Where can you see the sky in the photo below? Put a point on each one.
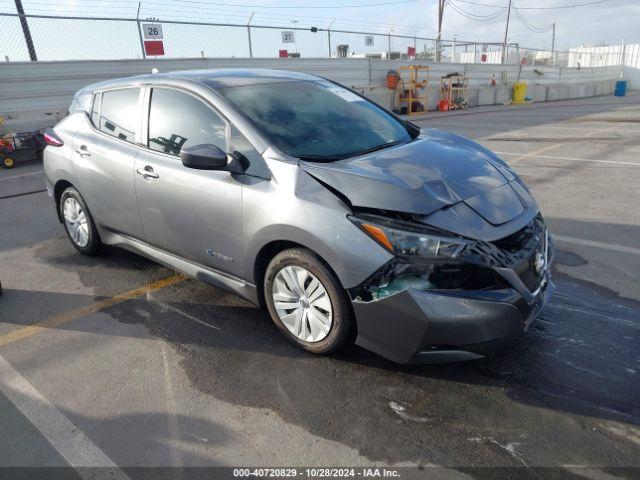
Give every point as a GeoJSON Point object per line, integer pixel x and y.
{"type": "Point", "coordinates": [608, 22]}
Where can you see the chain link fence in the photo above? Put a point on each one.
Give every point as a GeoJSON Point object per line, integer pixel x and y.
{"type": "Point", "coordinates": [105, 38]}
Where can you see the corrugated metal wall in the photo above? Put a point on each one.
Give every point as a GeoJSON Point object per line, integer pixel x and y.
{"type": "Point", "coordinates": [623, 58]}
{"type": "Point", "coordinates": [631, 70]}
{"type": "Point", "coordinates": [30, 86]}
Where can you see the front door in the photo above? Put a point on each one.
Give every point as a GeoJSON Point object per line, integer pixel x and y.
{"type": "Point", "coordinates": [104, 162]}
{"type": "Point", "coordinates": [195, 214]}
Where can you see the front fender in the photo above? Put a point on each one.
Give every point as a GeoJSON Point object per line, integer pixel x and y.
{"type": "Point", "coordinates": [294, 207]}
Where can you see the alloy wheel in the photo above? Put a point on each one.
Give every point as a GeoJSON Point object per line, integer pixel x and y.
{"type": "Point", "coordinates": [76, 222]}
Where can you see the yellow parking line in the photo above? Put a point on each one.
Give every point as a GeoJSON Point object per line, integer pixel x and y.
{"type": "Point", "coordinates": [53, 322]}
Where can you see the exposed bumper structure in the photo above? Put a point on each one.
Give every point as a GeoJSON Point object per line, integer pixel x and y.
{"type": "Point", "coordinates": [429, 327]}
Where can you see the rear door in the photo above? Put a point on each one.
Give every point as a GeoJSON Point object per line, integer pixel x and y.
{"type": "Point", "coordinates": [105, 149]}
{"type": "Point", "coordinates": [195, 214]}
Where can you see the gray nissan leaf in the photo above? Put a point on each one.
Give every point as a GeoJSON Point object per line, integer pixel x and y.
{"type": "Point", "coordinates": [344, 221]}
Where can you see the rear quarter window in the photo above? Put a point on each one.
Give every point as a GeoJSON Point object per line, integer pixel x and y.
{"type": "Point", "coordinates": [120, 113]}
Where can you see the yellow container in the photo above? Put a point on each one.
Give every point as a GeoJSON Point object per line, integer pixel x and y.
{"type": "Point", "coordinates": [519, 92]}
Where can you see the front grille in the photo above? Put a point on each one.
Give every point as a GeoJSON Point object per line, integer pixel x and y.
{"type": "Point", "coordinates": [516, 251]}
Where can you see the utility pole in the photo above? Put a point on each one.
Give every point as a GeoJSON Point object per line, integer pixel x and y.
{"type": "Point", "coordinates": [553, 45]}
{"type": "Point", "coordinates": [249, 35]}
{"type": "Point", "coordinates": [26, 31]}
{"type": "Point", "coordinates": [440, 12]}
{"type": "Point", "coordinates": [506, 33]}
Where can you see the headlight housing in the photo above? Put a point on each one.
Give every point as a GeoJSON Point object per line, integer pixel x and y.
{"type": "Point", "coordinates": [424, 259]}
{"type": "Point", "coordinates": [409, 241]}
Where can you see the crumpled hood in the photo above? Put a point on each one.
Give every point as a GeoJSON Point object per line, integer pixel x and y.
{"type": "Point", "coordinates": [435, 170]}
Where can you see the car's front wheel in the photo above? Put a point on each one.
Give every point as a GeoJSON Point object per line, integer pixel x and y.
{"type": "Point", "coordinates": [307, 302]}
{"type": "Point", "coordinates": [78, 222]}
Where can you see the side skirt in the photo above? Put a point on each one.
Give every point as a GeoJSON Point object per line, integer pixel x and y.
{"type": "Point", "coordinates": [216, 278]}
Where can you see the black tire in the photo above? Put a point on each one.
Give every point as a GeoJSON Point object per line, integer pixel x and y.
{"type": "Point", "coordinates": [8, 162]}
{"type": "Point", "coordinates": [94, 244]}
{"type": "Point", "coordinates": [342, 313]}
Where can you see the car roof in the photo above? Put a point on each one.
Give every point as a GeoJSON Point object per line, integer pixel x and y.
{"type": "Point", "coordinates": [213, 78]}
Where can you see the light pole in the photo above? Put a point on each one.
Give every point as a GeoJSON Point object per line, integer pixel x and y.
{"type": "Point", "coordinates": [249, 35]}
{"type": "Point", "coordinates": [329, 35]}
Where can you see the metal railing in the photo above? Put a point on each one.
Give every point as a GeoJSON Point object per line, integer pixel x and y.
{"type": "Point", "coordinates": [56, 37]}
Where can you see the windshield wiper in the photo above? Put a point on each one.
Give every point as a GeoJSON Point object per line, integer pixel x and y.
{"type": "Point", "coordinates": [333, 158]}
{"type": "Point", "coordinates": [320, 158]}
{"type": "Point", "coordinates": [375, 149]}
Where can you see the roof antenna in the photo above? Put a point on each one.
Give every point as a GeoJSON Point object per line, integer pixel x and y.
{"type": "Point", "coordinates": [155, 71]}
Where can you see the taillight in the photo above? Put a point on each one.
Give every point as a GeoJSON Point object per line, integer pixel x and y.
{"type": "Point", "coordinates": [51, 138]}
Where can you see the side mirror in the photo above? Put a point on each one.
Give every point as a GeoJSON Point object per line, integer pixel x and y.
{"type": "Point", "coordinates": [203, 157]}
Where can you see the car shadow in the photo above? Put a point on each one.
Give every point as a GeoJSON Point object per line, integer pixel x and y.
{"type": "Point", "coordinates": [578, 360]}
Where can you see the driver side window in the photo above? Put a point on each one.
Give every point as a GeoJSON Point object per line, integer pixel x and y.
{"type": "Point", "coordinates": [178, 120]}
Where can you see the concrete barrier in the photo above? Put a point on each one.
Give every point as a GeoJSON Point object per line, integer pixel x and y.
{"type": "Point", "coordinates": [47, 87]}
{"type": "Point", "coordinates": [473, 96]}
{"type": "Point", "coordinates": [537, 93]}
{"type": "Point", "coordinates": [486, 96]}
{"type": "Point", "coordinates": [381, 96]}
{"type": "Point", "coordinates": [587, 90]}
{"type": "Point", "coordinates": [574, 90]}
{"type": "Point", "coordinates": [557, 92]}
{"type": "Point", "coordinates": [503, 94]}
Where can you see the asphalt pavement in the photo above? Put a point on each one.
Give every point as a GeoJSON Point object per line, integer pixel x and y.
{"type": "Point", "coordinates": [115, 362]}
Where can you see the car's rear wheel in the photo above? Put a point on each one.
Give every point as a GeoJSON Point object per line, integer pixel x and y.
{"type": "Point", "coordinates": [78, 222]}
{"type": "Point", "coordinates": [307, 302]}
{"type": "Point", "coordinates": [8, 162]}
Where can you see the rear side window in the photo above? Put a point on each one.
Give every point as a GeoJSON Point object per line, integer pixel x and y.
{"type": "Point", "coordinates": [177, 120]}
{"type": "Point", "coordinates": [119, 113]}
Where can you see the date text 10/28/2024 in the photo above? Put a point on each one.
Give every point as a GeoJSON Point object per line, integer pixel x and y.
{"type": "Point", "coordinates": [364, 472]}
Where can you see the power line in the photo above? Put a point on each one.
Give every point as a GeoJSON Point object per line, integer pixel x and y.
{"type": "Point", "coordinates": [490, 16]}
{"type": "Point", "coordinates": [193, 11]}
{"type": "Point", "coordinates": [595, 2]}
{"type": "Point", "coordinates": [291, 7]}
{"type": "Point", "coordinates": [529, 25]}
{"type": "Point", "coordinates": [477, 18]}
{"type": "Point", "coordinates": [188, 12]}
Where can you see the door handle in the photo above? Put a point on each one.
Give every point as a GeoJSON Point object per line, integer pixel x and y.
{"type": "Point", "coordinates": [83, 151]}
{"type": "Point", "coordinates": [147, 172]}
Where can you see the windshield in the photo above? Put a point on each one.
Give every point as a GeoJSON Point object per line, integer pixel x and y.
{"type": "Point", "coordinates": [316, 120]}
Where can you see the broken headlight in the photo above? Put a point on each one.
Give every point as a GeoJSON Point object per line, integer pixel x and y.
{"type": "Point", "coordinates": [410, 241]}
{"type": "Point", "coordinates": [425, 259]}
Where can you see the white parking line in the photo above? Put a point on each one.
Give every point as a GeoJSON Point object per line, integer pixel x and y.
{"type": "Point", "coordinates": [571, 159]}
{"type": "Point", "coordinates": [605, 246]}
{"type": "Point", "coordinates": [21, 175]}
{"type": "Point", "coordinates": [80, 452]}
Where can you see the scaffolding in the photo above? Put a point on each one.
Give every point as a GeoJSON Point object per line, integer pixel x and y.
{"type": "Point", "coordinates": [412, 90]}
{"type": "Point", "coordinates": [454, 91]}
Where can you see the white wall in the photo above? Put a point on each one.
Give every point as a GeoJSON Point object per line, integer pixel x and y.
{"type": "Point", "coordinates": [43, 90]}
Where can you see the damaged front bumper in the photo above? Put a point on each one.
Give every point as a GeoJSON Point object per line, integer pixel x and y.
{"type": "Point", "coordinates": [415, 326]}
{"type": "Point", "coordinates": [438, 325]}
